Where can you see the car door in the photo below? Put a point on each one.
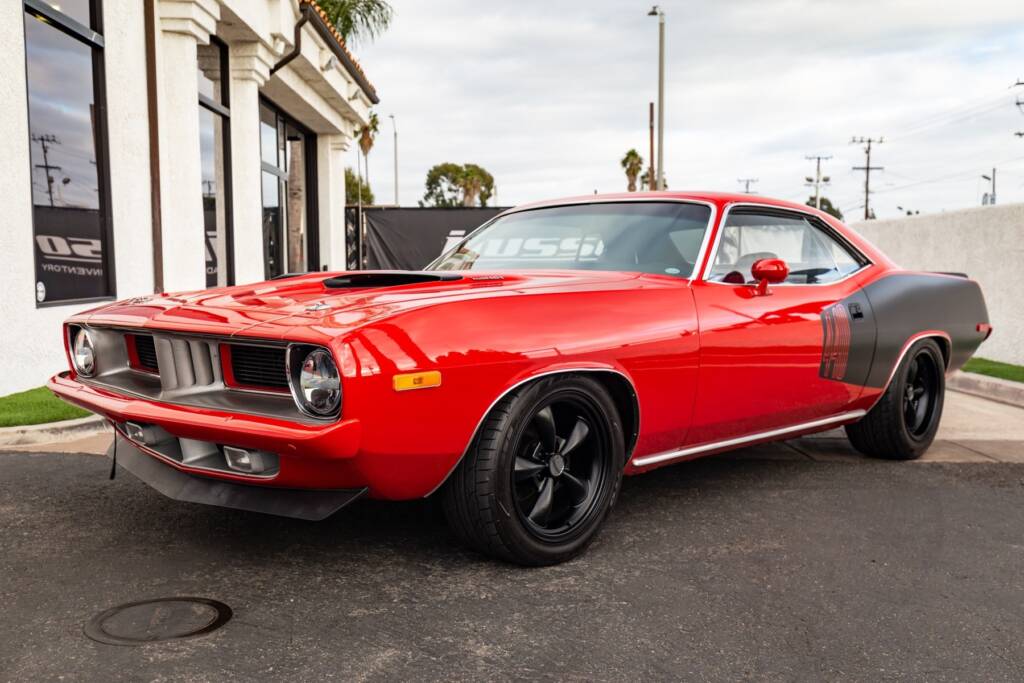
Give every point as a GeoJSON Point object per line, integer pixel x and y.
{"type": "Point", "coordinates": [776, 360]}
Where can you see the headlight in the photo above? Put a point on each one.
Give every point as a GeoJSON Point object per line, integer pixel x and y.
{"type": "Point", "coordinates": [314, 380]}
{"type": "Point", "coordinates": [83, 353]}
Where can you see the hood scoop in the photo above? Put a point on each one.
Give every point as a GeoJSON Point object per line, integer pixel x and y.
{"type": "Point", "coordinates": [387, 278]}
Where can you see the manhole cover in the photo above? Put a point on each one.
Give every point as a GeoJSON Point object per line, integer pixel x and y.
{"type": "Point", "coordinates": [149, 621]}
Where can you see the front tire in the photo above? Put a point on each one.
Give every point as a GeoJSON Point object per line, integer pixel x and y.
{"type": "Point", "coordinates": [903, 423]}
{"type": "Point", "coordinates": [542, 473]}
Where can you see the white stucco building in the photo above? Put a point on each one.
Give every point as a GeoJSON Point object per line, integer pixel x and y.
{"type": "Point", "coordinates": [163, 145]}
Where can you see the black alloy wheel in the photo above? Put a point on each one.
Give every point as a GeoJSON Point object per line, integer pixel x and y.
{"type": "Point", "coordinates": [919, 393]}
{"type": "Point", "coordinates": [542, 473]}
{"type": "Point", "coordinates": [559, 466]}
{"type": "Point", "coordinates": [902, 425]}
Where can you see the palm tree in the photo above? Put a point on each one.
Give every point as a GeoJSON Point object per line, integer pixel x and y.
{"type": "Point", "coordinates": [358, 20]}
{"type": "Point", "coordinates": [633, 164]}
{"type": "Point", "coordinates": [477, 185]}
{"type": "Point", "coordinates": [366, 136]}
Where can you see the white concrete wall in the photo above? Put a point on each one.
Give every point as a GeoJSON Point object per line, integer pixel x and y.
{"type": "Point", "coordinates": [31, 345]}
{"type": "Point", "coordinates": [258, 34]}
{"type": "Point", "coordinates": [986, 242]}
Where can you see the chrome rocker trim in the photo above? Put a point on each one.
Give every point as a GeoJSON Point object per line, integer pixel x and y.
{"type": "Point", "coordinates": [741, 440]}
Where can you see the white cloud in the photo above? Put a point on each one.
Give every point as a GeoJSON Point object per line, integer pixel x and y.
{"type": "Point", "coordinates": [548, 96]}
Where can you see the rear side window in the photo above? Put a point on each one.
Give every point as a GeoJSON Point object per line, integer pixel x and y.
{"type": "Point", "coordinates": [813, 256]}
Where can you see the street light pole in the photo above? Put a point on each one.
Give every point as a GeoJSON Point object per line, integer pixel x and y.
{"type": "Point", "coordinates": [818, 179]}
{"type": "Point", "coordinates": [656, 11]}
{"type": "Point", "coordinates": [991, 179]}
{"type": "Point", "coordinates": [395, 129]}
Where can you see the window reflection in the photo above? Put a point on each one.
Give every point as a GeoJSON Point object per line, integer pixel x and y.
{"type": "Point", "coordinates": [214, 125]}
{"type": "Point", "coordinates": [209, 74]}
{"type": "Point", "coordinates": [272, 225]}
{"type": "Point", "coordinates": [211, 137]}
{"type": "Point", "coordinates": [268, 135]}
{"type": "Point", "coordinates": [79, 10]}
{"type": "Point", "coordinates": [283, 152]}
{"type": "Point", "coordinates": [67, 191]}
{"type": "Point", "coordinates": [296, 201]}
{"type": "Point", "coordinates": [61, 111]}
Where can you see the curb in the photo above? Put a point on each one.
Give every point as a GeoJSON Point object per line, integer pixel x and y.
{"type": "Point", "coordinates": [51, 432]}
{"type": "Point", "coordinates": [992, 388]}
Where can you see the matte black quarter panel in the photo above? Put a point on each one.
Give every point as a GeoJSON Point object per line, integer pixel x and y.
{"type": "Point", "coordinates": [906, 304]}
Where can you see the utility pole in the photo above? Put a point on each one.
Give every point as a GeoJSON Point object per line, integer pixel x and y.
{"type": "Point", "coordinates": [394, 127]}
{"type": "Point", "coordinates": [1020, 105]}
{"type": "Point", "coordinates": [867, 168]}
{"type": "Point", "coordinates": [818, 179]}
{"type": "Point", "coordinates": [45, 141]}
{"type": "Point", "coordinates": [746, 182]}
{"type": "Point", "coordinates": [650, 166]}
{"type": "Point", "coordinates": [656, 11]}
{"type": "Point", "coordinates": [992, 194]}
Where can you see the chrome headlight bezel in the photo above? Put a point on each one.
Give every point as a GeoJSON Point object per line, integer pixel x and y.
{"type": "Point", "coordinates": [82, 350]}
{"type": "Point", "coordinates": [300, 380]}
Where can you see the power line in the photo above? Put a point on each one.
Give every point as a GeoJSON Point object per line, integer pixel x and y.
{"type": "Point", "coordinates": [970, 107]}
{"type": "Point", "coordinates": [867, 168]}
{"type": "Point", "coordinates": [746, 183]}
{"type": "Point", "coordinates": [931, 124]}
{"type": "Point", "coordinates": [939, 179]}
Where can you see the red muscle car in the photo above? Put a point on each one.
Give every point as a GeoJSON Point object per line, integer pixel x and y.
{"type": "Point", "coordinates": [558, 347]}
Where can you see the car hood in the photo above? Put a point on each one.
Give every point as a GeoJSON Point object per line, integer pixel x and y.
{"type": "Point", "coordinates": [332, 300]}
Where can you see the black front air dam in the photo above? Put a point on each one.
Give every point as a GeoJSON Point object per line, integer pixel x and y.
{"type": "Point", "coordinates": [308, 504]}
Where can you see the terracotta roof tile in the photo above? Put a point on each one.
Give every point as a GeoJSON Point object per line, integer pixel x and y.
{"type": "Point", "coordinates": [360, 76]}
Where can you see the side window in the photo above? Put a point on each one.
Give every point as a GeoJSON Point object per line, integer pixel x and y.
{"type": "Point", "coordinates": [813, 256]}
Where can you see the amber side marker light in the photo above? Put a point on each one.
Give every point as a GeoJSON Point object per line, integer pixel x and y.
{"type": "Point", "coordinates": [417, 380]}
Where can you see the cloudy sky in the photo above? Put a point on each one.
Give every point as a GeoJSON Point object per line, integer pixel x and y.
{"type": "Point", "coordinates": [548, 96]}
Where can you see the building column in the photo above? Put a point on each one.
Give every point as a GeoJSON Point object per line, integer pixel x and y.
{"type": "Point", "coordinates": [330, 166]}
{"type": "Point", "coordinates": [250, 64]}
{"type": "Point", "coordinates": [183, 25]}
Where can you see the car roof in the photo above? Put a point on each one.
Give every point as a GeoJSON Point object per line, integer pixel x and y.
{"type": "Point", "coordinates": [719, 198]}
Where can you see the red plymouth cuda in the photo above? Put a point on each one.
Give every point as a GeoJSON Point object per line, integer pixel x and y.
{"type": "Point", "coordinates": [524, 372]}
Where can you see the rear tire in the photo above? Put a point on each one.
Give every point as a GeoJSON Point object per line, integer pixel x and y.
{"type": "Point", "coordinates": [542, 473]}
{"type": "Point", "coordinates": [903, 423]}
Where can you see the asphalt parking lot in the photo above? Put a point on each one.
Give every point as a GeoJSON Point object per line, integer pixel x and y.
{"type": "Point", "coordinates": [796, 561]}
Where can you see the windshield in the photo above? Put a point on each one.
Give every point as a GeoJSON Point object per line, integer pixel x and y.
{"type": "Point", "coordinates": [642, 237]}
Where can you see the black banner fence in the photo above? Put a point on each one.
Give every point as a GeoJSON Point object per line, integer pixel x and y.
{"type": "Point", "coordinates": [407, 238]}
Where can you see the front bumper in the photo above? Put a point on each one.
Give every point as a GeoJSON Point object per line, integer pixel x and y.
{"type": "Point", "coordinates": [335, 455]}
{"type": "Point", "coordinates": [308, 504]}
{"type": "Point", "coordinates": [311, 456]}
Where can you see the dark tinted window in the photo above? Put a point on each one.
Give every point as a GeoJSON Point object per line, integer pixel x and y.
{"type": "Point", "coordinates": [214, 133]}
{"type": "Point", "coordinates": [647, 237]}
{"type": "Point", "coordinates": [68, 181]}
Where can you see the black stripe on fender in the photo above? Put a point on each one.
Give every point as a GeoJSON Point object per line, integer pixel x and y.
{"type": "Point", "coordinates": [835, 352]}
{"type": "Point", "coordinates": [848, 340]}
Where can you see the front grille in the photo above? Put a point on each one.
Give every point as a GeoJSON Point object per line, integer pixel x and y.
{"type": "Point", "coordinates": [145, 351]}
{"type": "Point", "coordinates": [186, 363]}
{"type": "Point", "coordinates": [259, 366]}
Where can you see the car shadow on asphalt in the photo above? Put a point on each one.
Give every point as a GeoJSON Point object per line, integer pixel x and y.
{"type": "Point", "coordinates": [78, 492]}
{"type": "Point", "coordinates": [414, 530]}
